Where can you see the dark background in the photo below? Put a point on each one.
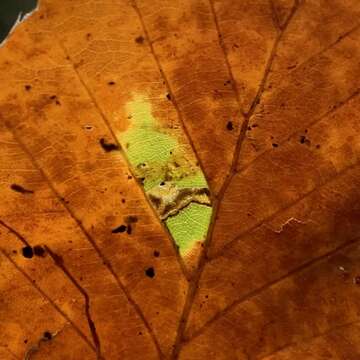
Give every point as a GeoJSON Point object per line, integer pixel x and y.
{"type": "Point", "coordinates": [9, 12]}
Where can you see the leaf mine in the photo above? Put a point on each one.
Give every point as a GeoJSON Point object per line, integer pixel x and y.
{"type": "Point", "coordinates": [164, 164]}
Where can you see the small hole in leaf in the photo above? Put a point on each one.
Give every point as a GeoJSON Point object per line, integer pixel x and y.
{"type": "Point", "coordinates": [20, 189]}
{"type": "Point", "coordinates": [119, 229]}
{"type": "Point", "coordinates": [304, 140]}
{"type": "Point", "coordinates": [150, 272]}
{"type": "Point", "coordinates": [27, 252]}
{"type": "Point", "coordinates": [108, 146]}
{"type": "Point", "coordinates": [47, 335]}
{"type": "Point", "coordinates": [230, 125]}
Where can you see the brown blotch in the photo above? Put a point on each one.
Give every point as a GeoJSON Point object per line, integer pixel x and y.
{"type": "Point", "coordinates": [140, 39]}
{"type": "Point", "coordinates": [39, 251]}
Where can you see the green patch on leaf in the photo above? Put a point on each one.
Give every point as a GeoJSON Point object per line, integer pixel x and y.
{"type": "Point", "coordinates": [189, 226]}
{"type": "Point", "coordinates": [168, 170]}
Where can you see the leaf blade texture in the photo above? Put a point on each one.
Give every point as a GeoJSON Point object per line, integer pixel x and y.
{"type": "Point", "coordinates": [181, 181]}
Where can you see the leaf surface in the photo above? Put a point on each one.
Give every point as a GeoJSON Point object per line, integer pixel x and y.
{"type": "Point", "coordinates": [181, 181]}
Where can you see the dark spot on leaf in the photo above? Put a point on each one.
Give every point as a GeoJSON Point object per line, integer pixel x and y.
{"type": "Point", "coordinates": [275, 145]}
{"type": "Point", "coordinates": [64, 200]}
{"type": "Point", "coordinates": [108, 146]}
{"type": "Point", "coordinates": [39, 250]}
{"type": "Point", "coordinates": [150, 272]}
{"type": "Point", "coordinates": [139, 40]}
{"type": "Point", "coordinates": [168, 96]}
{"type": "Point", "coordinates": [27, 87]}
{"type": "Point", "coordinates": [47, 335]}
{"type": "Point", "coordinates": [111, 83]}
{"type": "Point", "coordinates": [156, 253]}
{"type": "Point", "coordinates": [304, 140]}
{"type": "Point", "coordinates": [58, 259]}
{"type": "Point", "coordinates": [53, 97]}
{"type": "Point", "coordinates": [162, 183]}
{"type": "Point", "coordinates": [357, 280]}
{"type": "Point", "coordinates": [27, 252]}
{"type": "Point", "coordinates": [119, 229]}
{"type": "Point", "coordinates": [129, 229]}
{"type": "Point", "coordinates": [254, 125]}
{"type": "Point", "coordinates": [229, 125]}
{"type": "Point", "coordinates": [129, 177]}
{"type": "Point", "coordinates": [123, 201]}
{"type": "Point", "coordinates": [20, 189]}
{"type": "Point", "coordinates": [318, 146]}
{"type": "Point", "coordinates": [131, 219]}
